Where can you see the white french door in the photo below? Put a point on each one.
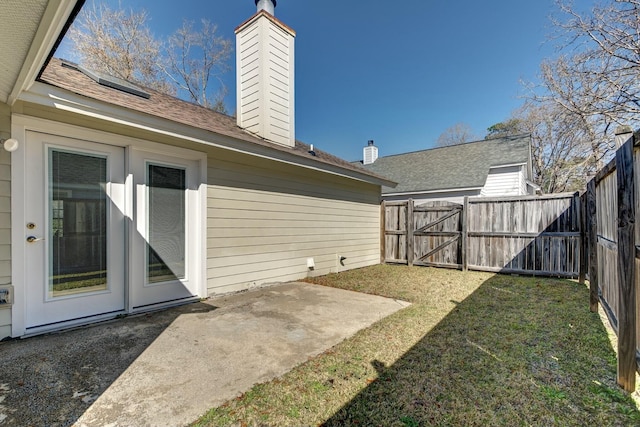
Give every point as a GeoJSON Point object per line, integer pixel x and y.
{"type": "Point", "coordinates": [102, 224]}
{"type": "Point", "coordinates": [164, 264]}
{"type": "Point", "coordinates": [74, 230]}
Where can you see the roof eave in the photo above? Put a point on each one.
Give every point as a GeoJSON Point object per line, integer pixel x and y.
{"type": "Point", "coordinates": [507, 165]}
{"type": "Point", "coordinates": [50, 29]}
{"type": "Point", "coordinates": [437, 191]}
{"type": "Point", "coordinates": [64, 100]}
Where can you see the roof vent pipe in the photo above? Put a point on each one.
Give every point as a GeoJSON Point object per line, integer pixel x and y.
{"type": "Point", "coordinates": [267, 5]}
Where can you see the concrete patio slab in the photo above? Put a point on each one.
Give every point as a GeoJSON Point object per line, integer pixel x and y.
{"type": "Point", "coordinates": [167, 368]}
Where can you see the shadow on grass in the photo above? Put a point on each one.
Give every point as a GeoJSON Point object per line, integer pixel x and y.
{"type": "Point", "coordinates": [53, 379]}
{"type": "Point", "coordinates": [517, 351]}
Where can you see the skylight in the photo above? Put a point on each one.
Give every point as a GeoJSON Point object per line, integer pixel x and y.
{"type": "Point", "coordinates": [109, 81]}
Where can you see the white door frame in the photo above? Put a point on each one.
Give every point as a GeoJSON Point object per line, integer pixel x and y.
{"type": "Point", "coordinates": [20, 125]}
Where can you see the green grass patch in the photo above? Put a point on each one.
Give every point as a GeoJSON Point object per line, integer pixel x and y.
{"type": "Point", "coordinates": [66, 282]}
{"type": "Point", "coordinates": [474, 349]}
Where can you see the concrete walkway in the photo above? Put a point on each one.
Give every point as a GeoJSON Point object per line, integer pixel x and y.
{"type": "Point", "coordinates": [167, 368]}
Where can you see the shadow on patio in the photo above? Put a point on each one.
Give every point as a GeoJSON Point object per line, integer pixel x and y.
{"type": "Point", "coordinates": [53, 379]}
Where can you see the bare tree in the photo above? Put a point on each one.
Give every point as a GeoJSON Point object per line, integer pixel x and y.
{"type": "Point", "coordinates": [459, 133]}
{"type": "Point", "coordinates": [560, 147]}
{"type": "Point", "coordinates": [608, 41]}
{"type": "Point", "coordinates": [560, 151]}
{"type": "Point", "coordinates": [119, 43]}
{"type": "Point", "coordinates": [195, 58]}
{"type": "Point", "coordinates": [597, 78]}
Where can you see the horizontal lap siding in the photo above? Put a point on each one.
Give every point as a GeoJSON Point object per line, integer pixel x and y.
{"type": "Point", "coordinates": [250, 84]}
{"type": "Point", "coordinates": [266, 81]}
{"type": "Point", "coordinates": [504, 182]}
{"type": "Point", "coordinates": [265, 219]}
{"type": "Point", "coordinates": [5, 217]}
{"type": "Point", "coordinates": [279, 90]}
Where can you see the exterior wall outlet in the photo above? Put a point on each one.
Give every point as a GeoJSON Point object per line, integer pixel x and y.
{"type": "Point", "coordinates": [6, 295]}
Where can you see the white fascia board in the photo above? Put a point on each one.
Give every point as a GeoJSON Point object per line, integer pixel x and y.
{"type": "Point", "coordinates": [533, 185]}
{"type": "Point", "coordinates": [61, 99]}
{"type": "Point", "coordinates": [51, 25]}
{"type": "Point", "coordinates": [508, 165]}
{"type": "Point", "coordinates": [447, 190]}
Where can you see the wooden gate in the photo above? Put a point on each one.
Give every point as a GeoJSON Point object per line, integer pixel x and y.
{"type": "Point", "coordinates": [437, 235]}
{"type": "Point", "coordinates": [426, 235]}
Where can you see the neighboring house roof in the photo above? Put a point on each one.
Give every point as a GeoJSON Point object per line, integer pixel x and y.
{"type": "Point", "coordinates": [69, 77]}
{"type": "Point", "coordinates": [463, 166]}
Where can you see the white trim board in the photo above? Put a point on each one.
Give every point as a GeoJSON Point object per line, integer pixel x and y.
{"type": "Point", "coordinates": [61, 99]}
{"type": "Point", "coordinates": [510, 165]}
{"type": "Point", "coordinates": [21, 125]}
{"type": "Point", "coordinates": [447, 190]}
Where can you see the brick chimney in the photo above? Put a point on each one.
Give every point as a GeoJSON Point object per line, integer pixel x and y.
{"type": "Point", "coordinates": [265, 76]}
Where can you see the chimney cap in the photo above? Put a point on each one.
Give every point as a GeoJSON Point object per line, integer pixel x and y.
{"type": "Point", "coordinates": [272, 1]}
{"type": "Point", "coordinates": [370, 143]}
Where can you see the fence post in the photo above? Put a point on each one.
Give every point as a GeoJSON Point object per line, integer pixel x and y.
{"type": "Point", "coordinates": [410, 230]}
{"type": "Point", "coordinates": [580, 202]}
{"type": "Point", "coordinates": [626, 267]}
{"type": "Point", "coordinates": [592, 238]}
{"type": "Point", "coordinates": [383, 232]}
{"type": "Point", "coordinates": [465, 219]}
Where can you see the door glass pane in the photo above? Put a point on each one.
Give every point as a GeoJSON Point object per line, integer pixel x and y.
{"type": "Point", "coordinates": [77, 223]}
{"type": "Point", "coordinates": [166, 216]}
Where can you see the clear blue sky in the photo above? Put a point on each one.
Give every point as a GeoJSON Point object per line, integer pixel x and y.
{"type": "Point", "coordinates": [399, 73]}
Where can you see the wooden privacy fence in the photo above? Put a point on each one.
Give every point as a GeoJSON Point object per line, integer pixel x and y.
{"type": "Point", "coordinates": [538, 235]}
{"type": "Point", "coordinates": [612, 207]}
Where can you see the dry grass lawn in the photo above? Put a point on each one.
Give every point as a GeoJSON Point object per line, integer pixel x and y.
{"type": "Point", "coordinates": [474, 349]}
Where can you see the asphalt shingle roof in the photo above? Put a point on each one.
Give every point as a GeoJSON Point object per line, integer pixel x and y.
{"type": "Point", "coordinates": [173, 109]}
{"type": "Point", "coordinates": [457, 166]}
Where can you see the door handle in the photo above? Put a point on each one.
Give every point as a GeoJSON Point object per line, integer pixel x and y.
{"type": "Point", "coordinates": [32, 239]}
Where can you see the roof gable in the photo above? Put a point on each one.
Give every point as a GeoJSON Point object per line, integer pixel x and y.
{"type": "Point", "coordinates": [453, 167]}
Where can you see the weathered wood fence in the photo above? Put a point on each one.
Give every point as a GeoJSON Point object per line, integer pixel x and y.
{"type": "Point", "coordinates": [612, 207]}
{"type": "Point", "coordinates": [558, 235]}
{"type": "Point", "coordinates": [538, 235]}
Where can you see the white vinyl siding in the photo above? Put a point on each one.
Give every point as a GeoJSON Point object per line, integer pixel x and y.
{"type": "Point", "coordinates": [265, 219]}
{"type": "Point", "coordinates": [265, 80]}
{"type": "Point", "coordinates": [505, 181]}
{"type": "Point", "coordinates": [5, 217]}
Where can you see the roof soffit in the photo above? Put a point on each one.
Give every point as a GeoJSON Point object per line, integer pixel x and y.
{"type": "Point", "coordinates": [29, 29]}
